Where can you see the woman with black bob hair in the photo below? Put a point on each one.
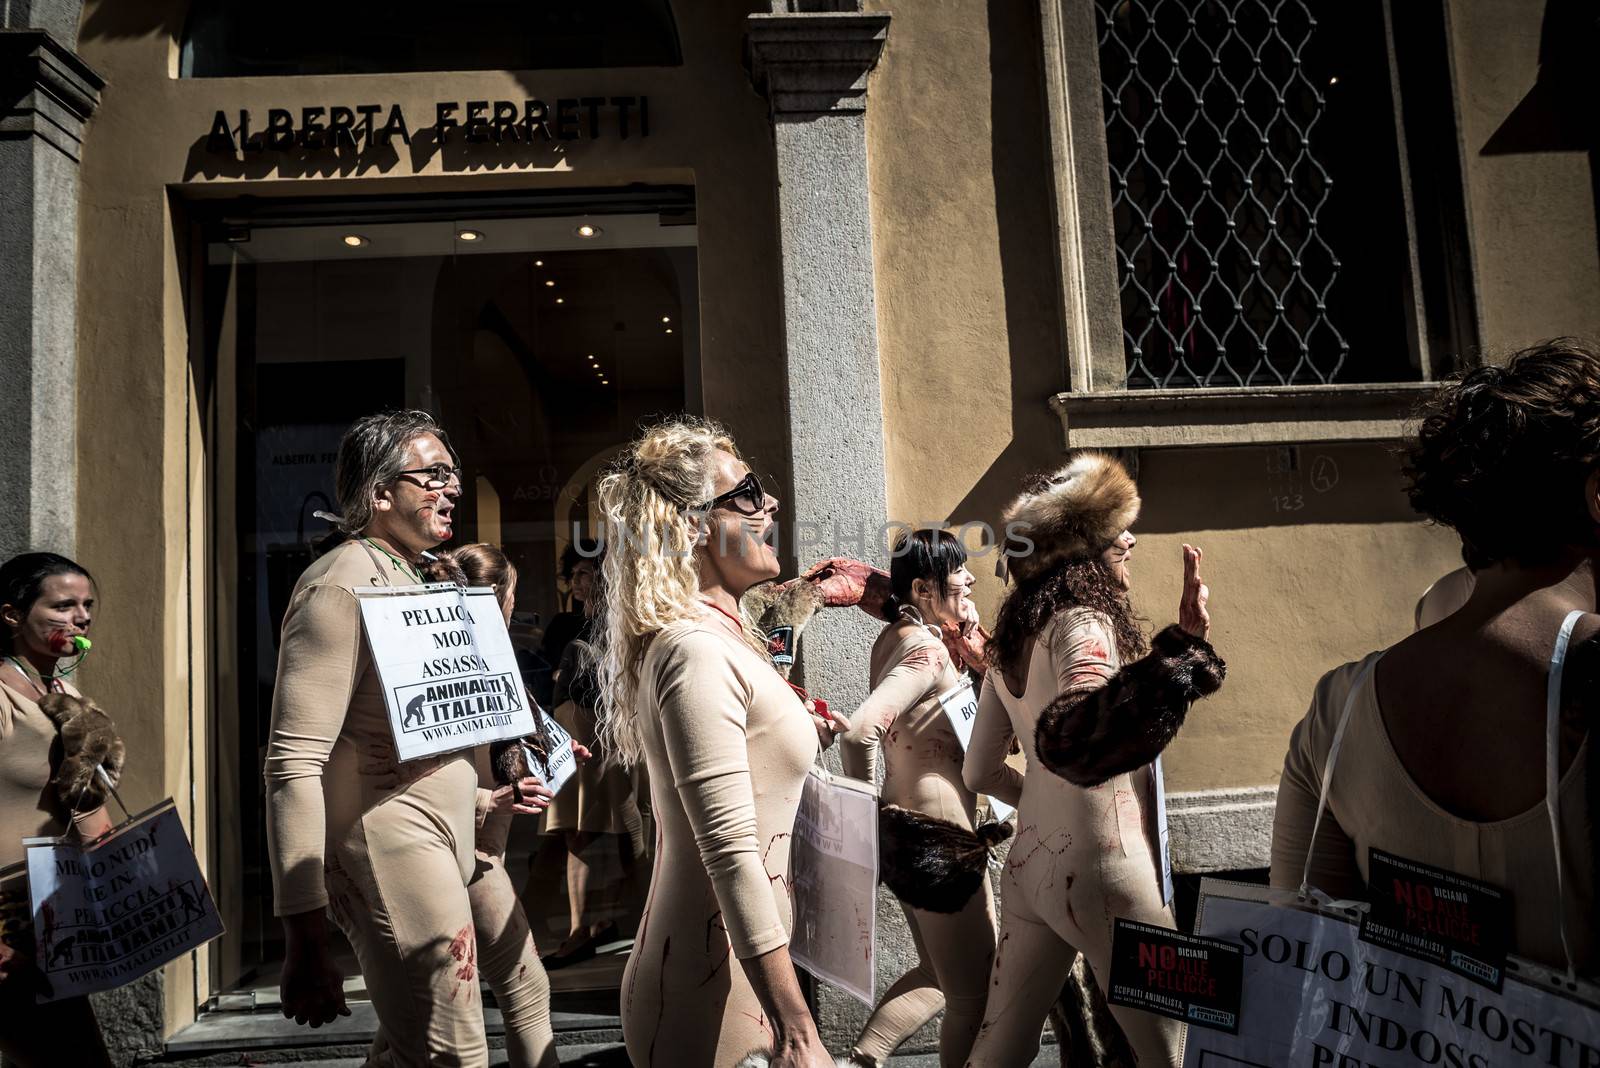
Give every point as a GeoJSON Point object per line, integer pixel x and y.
{"type": "Point", "coordinates": [1072, 674]}
{"type": "Point", "coordinates": [1443, 758]}
{"type": "Point", "coordinates": [934, 853]}
{"type": "Point", "coordinates": [48, 786]}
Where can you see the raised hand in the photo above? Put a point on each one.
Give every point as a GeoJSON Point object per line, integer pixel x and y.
{"type": "Point", "coordinates": [1192, 614]}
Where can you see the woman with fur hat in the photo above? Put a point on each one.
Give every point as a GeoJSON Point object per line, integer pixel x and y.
{"type": "Point", "coordinates": [52, 745]}
{"type": "Point", "coordinates": [935, 856]}
{"type": "Point", "coordinates": [1072, 674]}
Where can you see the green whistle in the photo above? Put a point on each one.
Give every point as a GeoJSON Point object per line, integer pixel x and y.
{"type": "Point", "coordinates": [81, 644]}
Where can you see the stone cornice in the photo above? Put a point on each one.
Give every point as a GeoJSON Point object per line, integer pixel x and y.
{"type": "Point", "coordinates": [812, 64]}
{"type": "Point", "coordinates": [47, 91]}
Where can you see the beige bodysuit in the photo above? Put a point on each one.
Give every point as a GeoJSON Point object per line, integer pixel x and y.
{"type": "Point", "coordinates": [57, 1032]}
{"type": "Point", "coordinates": [1372, 801]}
{"type": "Point", "coordinates": [728, 745]}
{"type": "Point", "coordinates": [1080, 857]}
{"type": "Point", "coordinates": [902, 727]}
{"type": "Point", "coordinates": [387, 846]}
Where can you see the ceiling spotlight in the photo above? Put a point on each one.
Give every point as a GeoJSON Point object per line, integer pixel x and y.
{"type": "Point", "coordinates": [549, 281]}
{"type": "Point", "coordinates": [666, 318]}
{"type": "Point", "coordinates": [586, 231]}
{"type": "Point", "coordinates": [605, 382]}
{"type": "Point", "coordinates": [1334, 80]}
{"type": "Point", "coordinates": [538, 263]}
{"type": "Point", "coordinates": [561, 300]}
{"type": "Point", "coordinates": [355, 240]}
{"type": "Point", "coordinates": [669, 329]}
{"type": "Point", "coordinates": [469, 235]}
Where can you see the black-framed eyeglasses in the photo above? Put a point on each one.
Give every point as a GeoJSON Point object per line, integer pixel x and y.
{"type": "Point", "coordinates": [747, 498]}
{"type": "Point", "coordinates": [436, 477]}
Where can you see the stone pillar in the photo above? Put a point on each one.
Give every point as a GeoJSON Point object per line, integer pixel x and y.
{"type": "Point", "coordinates": [46, 94]}
{"type": "Point", "coordinates": [813, 66]}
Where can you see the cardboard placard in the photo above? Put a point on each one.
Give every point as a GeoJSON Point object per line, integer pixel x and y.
{"type": "Point", "coordinates": [1438, 916]}
{"type": "Point", "coordinates": [1316, 996]}
{"type": "Point", "coordinates": [562, 763]}
{"type": "Point", "coordinates": [960, 705]}
{"type": "Point", "coordinates": [833, 876]}
{"type": "Point", "coordinates": [1185, 977]}
{"type": "Point", "coordinates": [448, 671]}
{"type": "Point", "coordinates": [108, 912]}
{"type": "Point", "coordinates": [1158, 790]}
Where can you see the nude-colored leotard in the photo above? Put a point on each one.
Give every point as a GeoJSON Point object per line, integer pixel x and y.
{"type": "Point", "coordinates": [902, 727]}
{"type": "Point", "coordinates": [728, 745]}
{"type": "Point", "coordinates": [388, 846]}
{"type": "Point", "coordinates": [1080, 857]}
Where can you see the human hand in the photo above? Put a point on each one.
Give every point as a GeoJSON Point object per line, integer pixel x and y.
{"type": "Point", "coordinates": [1192, 615]}
{"type": "Point", "coordinates": [965, 639]}
{"type": "Point", "coordinates": [828, 728]}
{"type": "Point", "coordinates": [527, 796]}
{"type": "Point", "coordinates": [311, 987]}
{"type": "Point", "coordinates": [581, 752]}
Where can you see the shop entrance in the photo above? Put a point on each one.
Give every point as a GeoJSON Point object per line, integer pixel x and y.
{"type": "Point", "coordinates": [540, 333]}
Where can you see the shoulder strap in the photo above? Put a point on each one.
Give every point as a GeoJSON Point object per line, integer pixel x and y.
{"type": "Point", "coordinates": [1552, 770]}
{"type": "Point", "coordinates": [1327, 768]}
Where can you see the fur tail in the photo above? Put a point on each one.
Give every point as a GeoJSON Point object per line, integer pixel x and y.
{"type": "Point", "coordinates": [933, 864]}
{"type": "Point", "coordinates": [1089, 737]}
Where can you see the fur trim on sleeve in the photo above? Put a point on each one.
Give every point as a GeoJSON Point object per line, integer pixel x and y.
{"type": "Point", "coordinates": [1089, 737]}
{"type": "Point", "coordinates": [933, 864]}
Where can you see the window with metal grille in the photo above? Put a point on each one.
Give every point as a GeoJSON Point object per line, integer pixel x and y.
{"type": "Point", "coordinates": [1261, 221]}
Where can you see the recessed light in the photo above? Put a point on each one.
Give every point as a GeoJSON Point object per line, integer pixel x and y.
{"type": "Point", "coordinates": [604, 382]}
{"type": "Point", "coordinates": [1334, 80]}
{"type": "Point", "coordinates": [355, 240]}
{"type": "Point", "coordinates": [561, 300]}
{"type": "Point", "coordinates": [586, 231]}
{"type": "Point", "coordinates": [469, 235]}
{"type": "Point", "coordinates": [669, 329]}
{"type": "Point", "coordinates": [538, 263]}
{"type": "Point", "coordinates": [549, 281]}
{"type": "Point", "coordinates": [666, 318]}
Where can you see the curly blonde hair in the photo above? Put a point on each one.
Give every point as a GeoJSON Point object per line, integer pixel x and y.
{"type": "Point", "coordinates": [648, 499]}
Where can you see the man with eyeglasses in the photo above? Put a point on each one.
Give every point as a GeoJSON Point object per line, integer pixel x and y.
{"type": "Point", "coordinates": [386, 847]}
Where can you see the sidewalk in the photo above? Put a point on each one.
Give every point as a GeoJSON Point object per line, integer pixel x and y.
{"type": "Point", "coordinates": [612, 1056]}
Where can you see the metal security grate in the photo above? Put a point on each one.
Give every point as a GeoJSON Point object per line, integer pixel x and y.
{"type": "Point", "coordinates": [1210, 111]}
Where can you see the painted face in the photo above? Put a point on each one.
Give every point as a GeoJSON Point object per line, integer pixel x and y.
{"type": "Point", "coordinates": [737, 543]}
{"type": "Point", "coordinates": [64, 608]}
{"type": "Point", "coordinates": [946, 607]}
{"type": "Point", "coordinates": [420, 516]}
{"type": "Point", "coordinates": [1116, 558]}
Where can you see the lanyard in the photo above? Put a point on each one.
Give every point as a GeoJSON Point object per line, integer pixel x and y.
{"type": "Point", "coordinates": [1552, 771]}
{"type": "Point", "coordinates": [401, 564]}
{"type": "Point", "coordinates": [52, 683]}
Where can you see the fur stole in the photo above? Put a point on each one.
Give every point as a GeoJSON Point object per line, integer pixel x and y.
{"type": "Point", "coordinates": [89, 741]}
{"type": "Point", "coordinates": [1089, 737]}
{"type": "Point", "coordinates": [933, 864]}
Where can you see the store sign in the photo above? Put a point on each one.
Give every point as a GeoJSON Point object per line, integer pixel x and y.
{"type": "Point", "coordinates": [486, 122]}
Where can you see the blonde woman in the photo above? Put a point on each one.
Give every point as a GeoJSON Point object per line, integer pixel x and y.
{"type": "Point", "coordinates": [688, 689]}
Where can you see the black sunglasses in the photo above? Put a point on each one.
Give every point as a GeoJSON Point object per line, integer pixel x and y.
{"type": "Point", "coordinates": [747, 498]}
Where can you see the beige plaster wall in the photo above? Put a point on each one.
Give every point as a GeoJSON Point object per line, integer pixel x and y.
{"type": "Point", "coordinates": [1530, 186]}
{"type": "Point", "coordinates": [971, 350]}
{"type": "Point", "coordinates": [143, 458]}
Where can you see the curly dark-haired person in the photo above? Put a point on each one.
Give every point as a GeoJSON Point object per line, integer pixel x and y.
{"type": "Point", "coordinates": [1072, 674]}
{"type": "Point", "coordinates": [1443, 755]}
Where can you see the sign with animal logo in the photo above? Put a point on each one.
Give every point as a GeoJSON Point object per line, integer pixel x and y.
{"type": "Point", "coordinates": [447, 667]}
{"type": "Point", "coordinates": [108, 912]}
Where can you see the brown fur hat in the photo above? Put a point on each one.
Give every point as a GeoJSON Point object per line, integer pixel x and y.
{"type": "Point", "coordinates": [88, 740]}
{"type": "Point", "coordinates": [1077, 512]}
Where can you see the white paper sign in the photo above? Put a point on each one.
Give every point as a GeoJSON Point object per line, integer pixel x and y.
{"type": "Point", "coordinates": [1315, 995]}
{"type": "Point", "coordinates": [448, 671]}
{"type": "Point", "coordinates": [1158, 787]}
{"type": "Point", "coordinates": [833, 877]}
{"type": "Point", "coordinates": [960, 704]}
{"type": "Point", "coordinates": [107, 913]}
{"type": "Point", "coordinates": [563, 762]}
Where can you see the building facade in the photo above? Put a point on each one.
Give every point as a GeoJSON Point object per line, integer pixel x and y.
{"type": "Point", "coordinates": [908, 253]}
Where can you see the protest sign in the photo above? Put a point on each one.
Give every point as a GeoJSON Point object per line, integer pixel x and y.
{"type": "Point", "coordinates": [108, 912]}
{"type": "Point", "coordinates": [833, 877]}
{"type": "Point", "coordinates": [1316, 995]}
{"type": "Point", "coordinates": [446, 665]}
{"type": "Point", "coordinates": [960, 705]}
{"type": "Point", "coordinates": [1438, 916]}
{"type": "Point", "coordinates": [1158, 792]}
{"type": "Point", "coordinates": [1167, 972]}
{"type": "Point", "coordinates": [561, 764]}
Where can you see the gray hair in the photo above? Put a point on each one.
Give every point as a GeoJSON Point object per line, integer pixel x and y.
{"type": "Point", "coordinates": [372, 454]}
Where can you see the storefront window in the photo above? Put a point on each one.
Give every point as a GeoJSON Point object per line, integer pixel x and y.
{"type": "Point", "coordinates": [540, 344]}
{"type": "Point", "coordinates": [228, 38]}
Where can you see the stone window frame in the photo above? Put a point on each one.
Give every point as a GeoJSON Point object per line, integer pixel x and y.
{"type": "Point", "coordinates": [1097, 412]}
